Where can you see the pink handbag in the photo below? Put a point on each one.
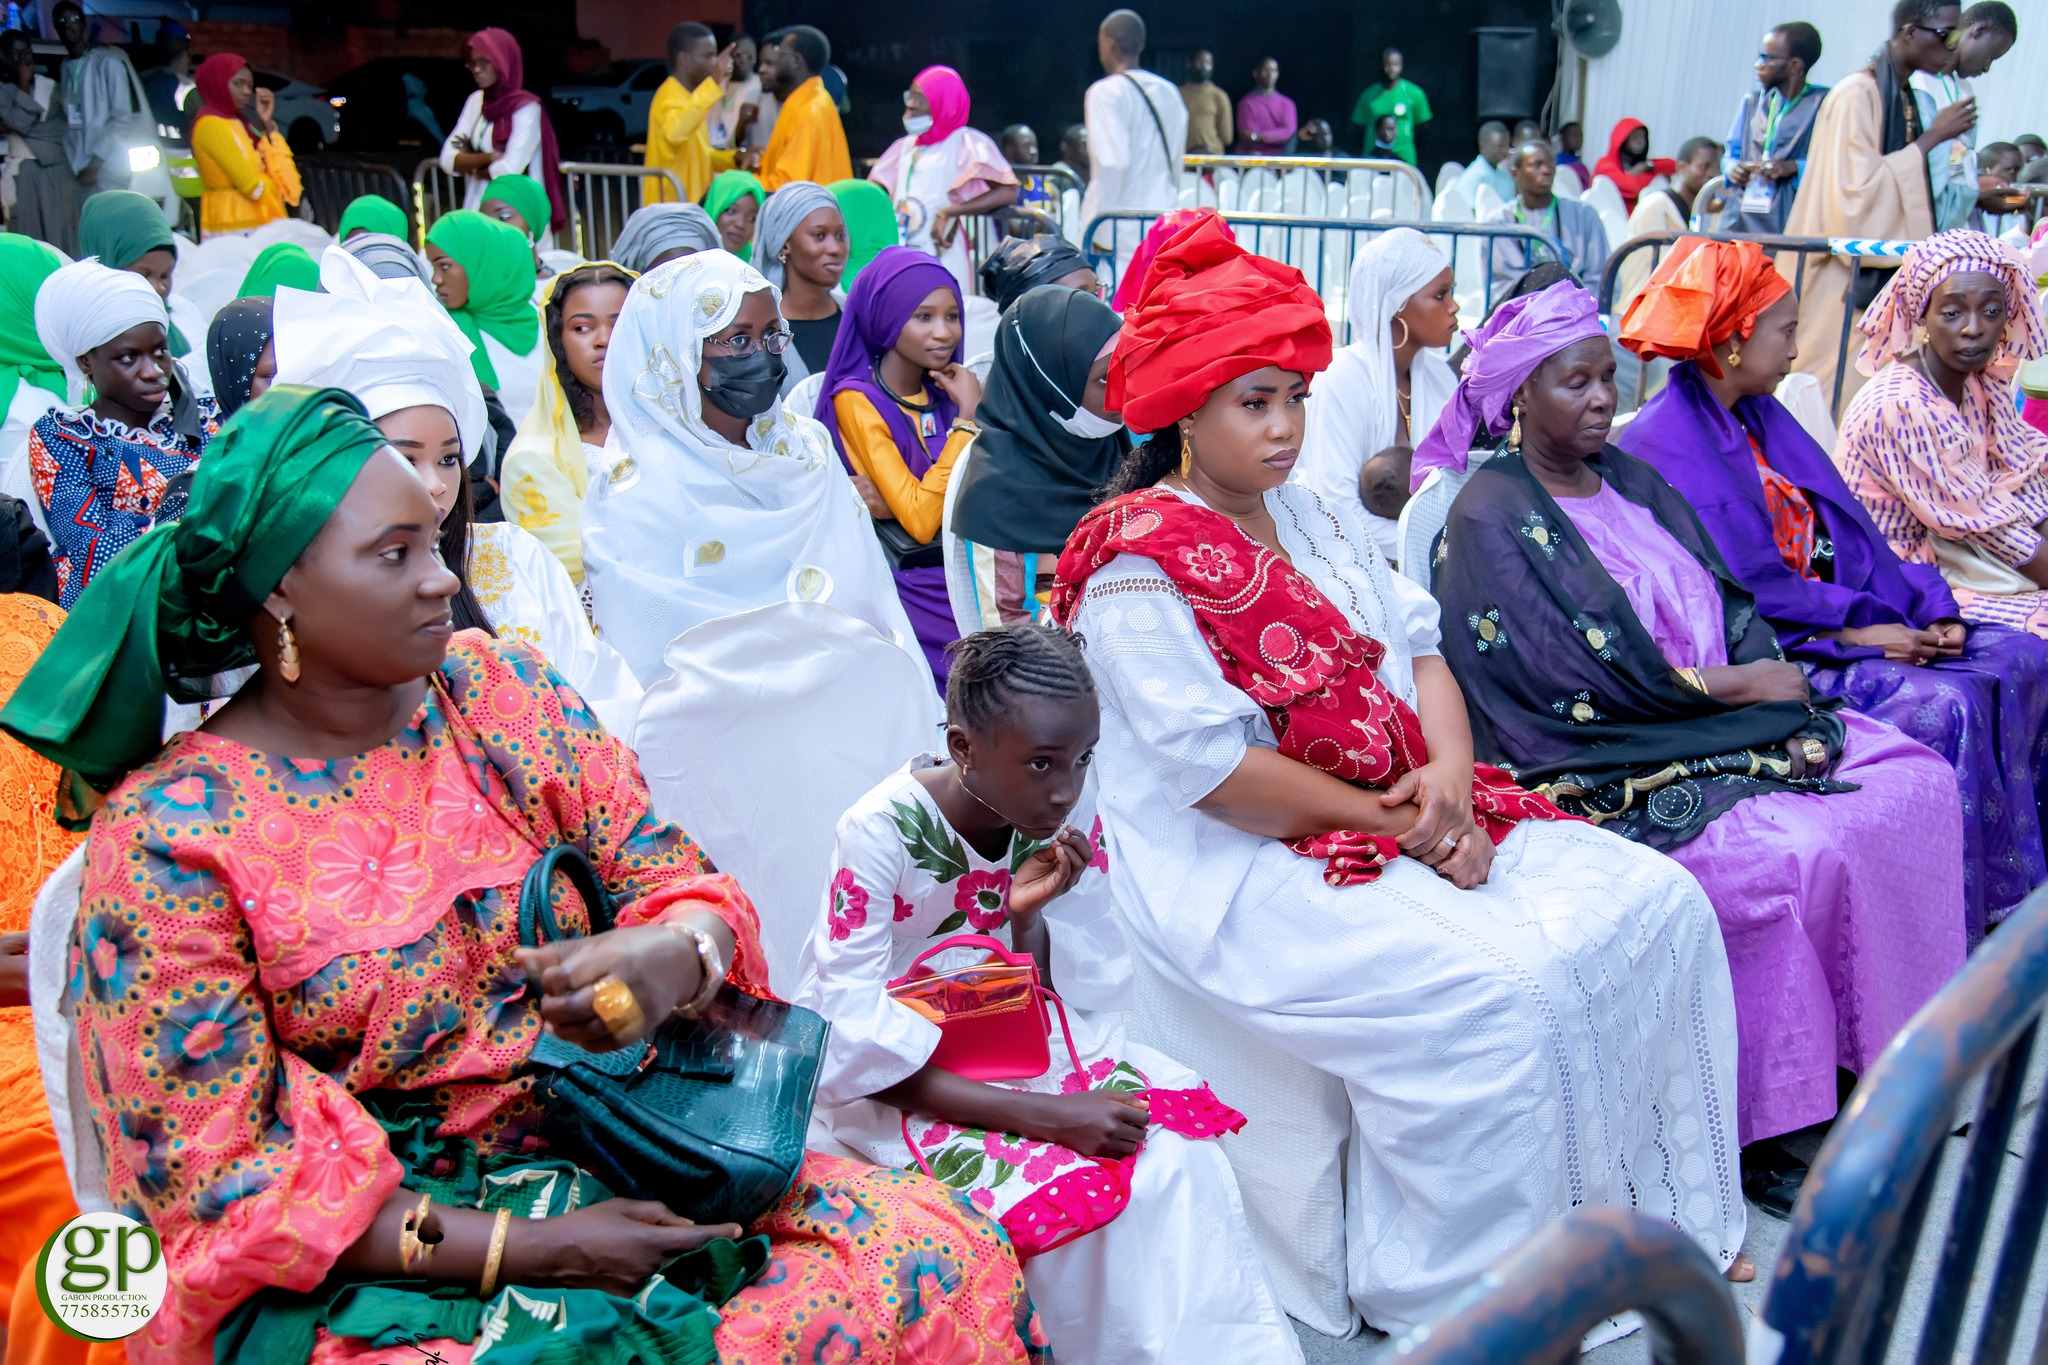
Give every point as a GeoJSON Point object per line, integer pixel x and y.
{"type": "Point", "coordinates": [991, 1014]}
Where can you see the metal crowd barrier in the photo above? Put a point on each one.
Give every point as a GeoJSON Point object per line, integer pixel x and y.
{"type": "Point", "coordinates": [434, 192]}
{"type": "Point", "coordinates": [986, 231]}
{"type": "Point", "coordinates": [1855, 250]}
{"type": "Point", "coordinates": [602, 197]}
{"type": "Point", "coordinates": [1323, 249]}
{"type": "Point", "coordinates": [1310, 186]}
{"type": "Point", "coordinates": [332, 180]}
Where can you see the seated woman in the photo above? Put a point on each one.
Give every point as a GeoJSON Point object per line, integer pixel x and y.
{"type": "Point", "coordinates": [658, 233]}
{"type": "Point", "coordinates": [344, 1019]}
{"type": "Point", "coordinates": [560, 445]}
{"type": "Point", "coordinates": [100, 469]}
{"type": "Point", "coordinates": [722, 499]}
{"type": "Point", "coordinates": [871, 224]}
{"type": "Point", "coordinates": [484, 276]}
{"type": "Point", "coordinates": [241, 353]}
{"type": "Point", "coordinates": [1308, 847]}
{"type": "Point", "coordinates": [800, 248]}
{"type": "Point", "coordinates": [1169, 1275]}
{"type": "Point", "coordinates": [388, 343]}
{"type": "Point", "coordinates": [519, 201]}
{"type": "Point", "coordinates": [246, 170]}
{"type": "Point", "coordinates": [372, 213]}
{"type": "Point", "coordinates": [127, 231]}
{"type": "Point", "coordinates": [1019, 265]}
{"type": "Point", "coordinates": [1613, 663]}
{"type": "Point", "coordinates": [1883, 636]}
{"type": "Point", "coordinates": [1387, 387]}
{"type": "Point", "coordinates": [30, 381]}
{"type": "Point", "coordinates": [285, 265]}
{"type": "Point", "coordinates": [901, 406]}
{"type": "Point", "coordinates": [1048, 444]}
{"type": "Point", "coordinates": [734, 202]}
{"type": "Point", "coordinates": [1934, 444]}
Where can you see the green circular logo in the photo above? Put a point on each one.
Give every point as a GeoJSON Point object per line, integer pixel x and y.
{"type": "Point", "coordinates": [102, 1276]}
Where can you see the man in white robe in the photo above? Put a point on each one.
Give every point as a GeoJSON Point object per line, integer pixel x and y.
{"type": "Point", "coordinates": [1137, 127]}
{"type": "Point", "coordinates": [43, 198]}
{"type": "Point", "coordinates": [106, 110]}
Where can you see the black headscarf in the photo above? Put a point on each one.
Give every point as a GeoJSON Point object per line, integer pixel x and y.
{"type": "Point", "coordinates": [234, 343]}
{"type": "Point", "coordinates": [1021, 264]}
{"type": "Point", "coordinates": [1567, 689]}
{"type": "Point", "coordinates": [1030, 481]}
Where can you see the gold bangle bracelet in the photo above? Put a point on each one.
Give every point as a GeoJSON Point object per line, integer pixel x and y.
{"type": "Point", "coordinates": [412, 1252]}
{"type": "Point", "coordinates": [496, 1256]}
{"type": "Point", "coordinates": [1694, 679]}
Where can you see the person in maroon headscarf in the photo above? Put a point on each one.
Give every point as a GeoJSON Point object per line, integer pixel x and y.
{"type": "Point", "coordinates": [503, 128]}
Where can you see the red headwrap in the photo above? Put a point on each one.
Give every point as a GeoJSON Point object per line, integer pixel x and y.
{"type": "Point", "coordinates": [1162, 230]}
{"type": "Point", "coordinates": [506, 98]}
{"type": "Point", "coordinates": [212, 79]}
{"type": "Point", "coordinates": [1208, 312]}
{"type": "Point", "coordinates": [1702, 294]}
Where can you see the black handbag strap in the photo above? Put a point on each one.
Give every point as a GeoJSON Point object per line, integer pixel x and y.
{"type": "Point", "coordinates": [537, 923]}
{"type": "Point", "coordinates": [1153, 110]}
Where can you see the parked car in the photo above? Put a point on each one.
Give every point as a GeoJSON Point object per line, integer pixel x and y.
{"type": "Point", "coordinates": [309, 117]}
{"type": "Point", "coordinates": [400, 102]}
{"type": "Point", "coordinates": [611, 103]}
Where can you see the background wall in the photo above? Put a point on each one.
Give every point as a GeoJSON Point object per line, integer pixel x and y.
{"type": "Point", "coordinates": [1682, 66]}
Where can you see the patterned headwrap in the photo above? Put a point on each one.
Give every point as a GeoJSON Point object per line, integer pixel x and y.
{"type": "Point", "coordinates": [1209, 312]}
{"type": "Point", "coordinates": [171, 612]}
{"type": "Point", "coordinates": [1506, 349]}
{"type": "Point", "coordinates": [1702, 294]}
{"type": "Point", "coordinates": [1900, 305]}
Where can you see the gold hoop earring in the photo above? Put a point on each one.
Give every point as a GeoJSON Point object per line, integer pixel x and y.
{"type": "Point", "coordinates": [1515, 431]}
{"type": "Point", "coordinates": [1404, 331]}
{"type": "Point", "coordinates": [287, 652]}
{"type": "Point", "coordinates": [1187, 456]}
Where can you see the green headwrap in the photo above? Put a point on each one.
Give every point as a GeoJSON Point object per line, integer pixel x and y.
{"type": "Point", "coordinates": [372, 213]}
{"type": "Point", "coordinates": [870, 223]}
{"type": "Point", "coordinates": [24, 264]}
{"type": "Point", "coordinates": [499, 262]}
{"type": "Point", "coordinates": [526, 198]}
{"type": "Point", "coordinates": [284, 263]}
{"type": "Point", "coordinates": [726, 190]}
{"type": "Point", "coordinates": [172, 611]}
{"type": "Point", "coordinates": [121, 227]}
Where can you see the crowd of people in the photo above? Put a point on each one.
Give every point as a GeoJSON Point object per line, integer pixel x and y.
{"type": "Point", "coordinates": [1589, 798]}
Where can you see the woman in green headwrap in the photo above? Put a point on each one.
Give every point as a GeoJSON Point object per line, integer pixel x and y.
{"type": "Point", "coordinates": [31, 383]}
{"type": "Point", "coordinates": [283, 263]}
{"type": "Point", "coordinates": [335, 855]}
{"type": "Point", "coordinates": [484, 276]}
{"type": "Point", "coordinates": [520, 201]}
{"type": "Point", "coordinates": [734, 202]}
{"type": "Point", "coordinates": [373, 213]}
{"type": "Point", "coordinates": [870, 223]}
{"type": "Point", "coordinates": [127, 231]}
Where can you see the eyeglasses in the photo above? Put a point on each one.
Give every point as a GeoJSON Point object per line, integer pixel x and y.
{"type": "Point", "coordinates": [1766, 59]}
{"type": "Point", "coordinates": [774, 343]}
{"type": "Point", "coordinates": [1948, 37]}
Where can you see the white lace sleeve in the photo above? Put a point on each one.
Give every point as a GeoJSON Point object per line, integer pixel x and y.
{"type": "Point", "coordinates": [1150, 662]}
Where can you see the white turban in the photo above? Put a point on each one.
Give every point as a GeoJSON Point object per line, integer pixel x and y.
{"type": "Point", "coordinates": [387, 341]}
{"type": "Point", "coordinates": [87, 304]}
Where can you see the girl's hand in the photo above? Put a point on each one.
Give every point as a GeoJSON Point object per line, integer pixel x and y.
{"type": "Point", "coordinates": [1095, 1123]}
{"type": "Point", "coordinates": [962, 387]}
{"type": "Point", "coordinates": [615, 1246]}
{"type": "Point", "coordinates": [878, 506]}
{"type": "Point", "coordinates": [658, 965]}
{"type": "Point", "coordinates": [1049, 873]}
{"type": "Point", "coordinates": [1442, 793]}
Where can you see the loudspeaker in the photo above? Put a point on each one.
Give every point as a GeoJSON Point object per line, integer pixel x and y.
{"type": "Point", "coordinates": [1508, 73]}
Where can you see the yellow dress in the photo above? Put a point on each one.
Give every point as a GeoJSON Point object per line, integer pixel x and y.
{"type": "Point", "coordinates": [232, 168]}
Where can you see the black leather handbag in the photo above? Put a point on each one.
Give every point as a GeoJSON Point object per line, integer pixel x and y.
{"type": "Point", "coordinates": [905, 551]}
{"type": "Point", "coordinates": [708, 1115]}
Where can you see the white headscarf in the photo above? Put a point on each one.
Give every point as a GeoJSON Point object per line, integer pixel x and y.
{"type": "Point", "coordinates": [86, 304]}
{"type": "Point", "coordinates": [1353, 410]}
{"type": "Point", "coordinates": [687, 527]}
{"type": "Point", "coordinates": [387, 341]}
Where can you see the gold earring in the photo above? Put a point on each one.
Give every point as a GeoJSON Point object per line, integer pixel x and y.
{"type": "Point", "coordinates": [287, 652]}
{"type": "Point", "coordinates": [1515, 431]}
{"type": "Point", "coordinates": [1734, 351]}
{"type": "Point", "coordinates": [1920, 336]}
{"type": "Point", "coordinates": [1404, 331]}
{"type": "Point", "coordinates": [783, 255]}
{"type": "Point", "coordinates": [1187, 456]}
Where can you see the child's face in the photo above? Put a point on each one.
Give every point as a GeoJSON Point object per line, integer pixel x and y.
{"type": "Point", "coordinates": [1384, 130]}
{"type": "Point", "coordinates": [1031, 767]}
{"type": "Point", "coordinates": [2005, 166]}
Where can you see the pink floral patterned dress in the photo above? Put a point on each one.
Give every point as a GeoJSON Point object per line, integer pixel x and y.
{"type": "Point", "coordinates": [1143, 1259]}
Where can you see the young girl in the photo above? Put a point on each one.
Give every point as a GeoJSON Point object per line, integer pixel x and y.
{"type": "Point", "coordinates": [1128, 1220]}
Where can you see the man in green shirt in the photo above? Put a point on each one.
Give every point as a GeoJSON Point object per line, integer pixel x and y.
{"type": "Point", "coordinates": [1401, 99]}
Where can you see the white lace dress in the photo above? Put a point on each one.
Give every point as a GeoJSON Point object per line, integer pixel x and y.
{"type": "Point", "coordinates": [527, 595]}
{"type": "Point", "coordinates": [1563, 1035]}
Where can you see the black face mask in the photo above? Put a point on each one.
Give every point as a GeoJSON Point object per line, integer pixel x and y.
{"type": "Point", "coordinates": [745, 386]}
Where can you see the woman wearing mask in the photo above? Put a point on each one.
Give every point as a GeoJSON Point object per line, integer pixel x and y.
{"type": "Point", "coordinates": [941, 171]}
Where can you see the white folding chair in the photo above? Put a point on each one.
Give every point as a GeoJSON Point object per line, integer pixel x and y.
{"type": "Point", "coordinates": [1424, 516]}
{"type": "Point", "coordinates": [1566, 184]}
{"type": "Point", "coordinates": [1485, 200]}
{"type": "Point", "coordinates": [1228, 184]}
{"type": "Point", "coordinates": [768, 726]}
{"type": "Point", "coordinates": [50, 925]}
{"type": "Point", "coordinates": [960, 592]}
{"type": "Point", "coordinates": [1452, 205]}
{"type": "Point", "coordinates": [1605, 196]}
{"type": "Point", "coordinates": [1447, 175]}
{"type": "Point", "coordinates": [1803, 396]}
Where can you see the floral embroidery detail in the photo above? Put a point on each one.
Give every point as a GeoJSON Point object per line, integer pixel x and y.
{"type": "Point", "coordinates": [1210, 562]}
{"type": "Point", "coordinates": [337, 1147]}
{"type": "Point", "coordinates": [1098, 848]}
{"type": "Point", "coordinates": [1578, 708]}
{"type": "Point", "coordinates": [849, 904]}
{"type": "Point", "coordinates": [930, 844]}
{"type": "Point", "coordinates": [661, 383]}
{"type": "Point", "coordinates": [904, 909]}
{"type": "Point", "coordinates": [984, 898]}
{"type": "Point", "coordinates": [1486, 628]}
{"type": "Point", "coordinates": [1598, 637]}
{"type": "Point", "coordinates": [368, 868]}
{"type": "Point", "coordinates": [490, 574]}
{"type": "Point", "coordinates": [1537, 530]}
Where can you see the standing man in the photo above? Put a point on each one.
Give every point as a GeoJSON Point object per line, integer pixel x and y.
{"type": "Point", "coordinates": [1403, 99]}
{"type": "Point", "coordinates": [1866, 176]}
{"type": "Point", "coordinates": [1990, 28]}
{"type": "Point", "coordinates": [1767, 146]}
{"type": "Point", "coordinates": [1074, 153]}
{"type": "Point", "coordinates": [809, 142]}
{"type": "Point", "coordinates": [1137, 128]}
{"type": "Point", "coordinates": [168, 82]}
{"type": "Point", "coordinates": [1266, 120]}
{"type": "Point", "coordinates": [105, 108]}
{"type": "Point", "coordinates": [45, 203]}
{"type": "Point", "coordinates": [742, 94]}
{"type": "Point", "coordinates": [753, 136]}
{"type": "Point", "coordinates": [679, 120]}
{"type": "Point", "coordinates": [1574, 226]}
{"type": "Point", "coordinates": [1487, 168]}
{"type": "Point", "coordinates": [1208, 107]}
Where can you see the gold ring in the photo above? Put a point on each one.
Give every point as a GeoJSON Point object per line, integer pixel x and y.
{"type": "Point", "coordinates": [616, 1007]}
{"type": "Point", "coordinates": [1816, 752]}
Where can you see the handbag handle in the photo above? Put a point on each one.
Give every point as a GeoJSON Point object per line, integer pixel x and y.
{"type": "Point", "coordinates": [537, 924]}
{"type": "Point", "coordinates": [994, 945]}
{"type": "Point", "coordinates": [1066, 1036]}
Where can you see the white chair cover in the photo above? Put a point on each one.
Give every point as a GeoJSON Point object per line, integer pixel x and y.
{"type": "Point", "coordinates": [803, 395]}
{"type": "Point", "coordinates": [766, 728]}
{"type": "Point", "coordinates": [1566, 185]}
{"type": "Point", "coordinates": [50, 925]}
{"type": "Point", "coordinates": [1605, 196]}
{"type": "Point", "coordinates": [1808, 402]}
{"type": "Point", "coordinates": [1447, 175]}
{"type": "Point", "coordinates": [959, 571]}
{"type": "Point", "coordinates": [1424, 517]}
{"type": "Point", "coordinates": [1485, 199]}
{"type": "Point", "coordinates": [1452, 205]}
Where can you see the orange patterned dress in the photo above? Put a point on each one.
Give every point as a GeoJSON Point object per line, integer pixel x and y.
{"type": "Point", "coordinates": [273, 952]}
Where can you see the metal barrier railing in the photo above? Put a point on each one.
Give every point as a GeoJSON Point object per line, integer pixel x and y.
{"type": "Point", "coordinates": [434, 192]}
{"type": "Point", "coordinates": [602, 197]}
{"type": "Point", "coordinates": [332, 181]}
{"type": "Point", "coordinates": [1855, 250]}
{"type": "Point", "coordinates": [1312, 186]}
{"type": "Point", "coordinates": [1323, 249]}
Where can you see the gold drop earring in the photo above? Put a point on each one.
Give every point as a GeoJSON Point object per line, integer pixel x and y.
{"type": "Point", "coordinates": [287, 652]}
{"type": "Point", "coordinates": [1734, 351]}
{"type": "Point", "coordinates": [1187, 455]}
{"type": "Point", "coordinates": [1515, 431]}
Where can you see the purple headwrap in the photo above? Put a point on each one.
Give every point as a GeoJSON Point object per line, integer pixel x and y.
{"type": "Point", "coordinates": [885, 294]}
{"type": "Point", "coordinates": [1506, 349]}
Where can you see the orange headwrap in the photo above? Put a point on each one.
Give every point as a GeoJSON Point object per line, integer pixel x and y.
{"type": "Point", "coordinates": [1702, 294]}
{"type": "Point", "coordinates": [1209, 312]}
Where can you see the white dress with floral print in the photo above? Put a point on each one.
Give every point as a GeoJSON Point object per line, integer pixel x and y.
{"type": "Point", "coordinates": [1174, 1276]}
{"type": "Point", "coordinates": [529, 597]}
